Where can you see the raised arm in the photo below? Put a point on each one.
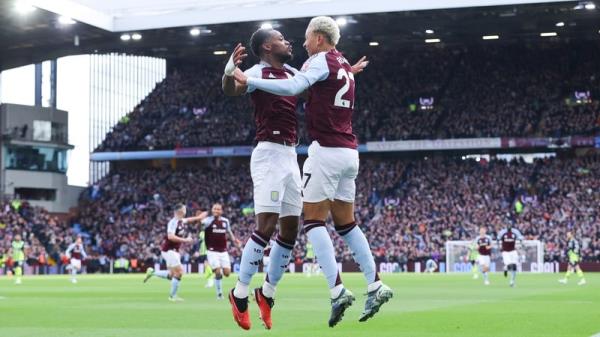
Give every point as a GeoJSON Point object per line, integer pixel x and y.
{"type": "Point", "coordinates": [230, 86]}
{"type": "Point", "coordinates": [199, 217]}
{"type": "Point", "coordinates": [520, 236]}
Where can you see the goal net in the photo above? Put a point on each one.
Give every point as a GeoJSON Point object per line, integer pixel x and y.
{"type": "Point", "coordinates": [531, 256]}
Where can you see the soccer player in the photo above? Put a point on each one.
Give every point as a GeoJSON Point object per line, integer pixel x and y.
{"type": "Point", "coordinates": [508, 238]}
{"type": "Point", "coordinates": [274, 170]}
{"type": "Point", "coordinates": [75, 253]}
{"type": "Point", "coordinates": [208, 274]}
{"type": "Point", "coordinates": [18, 257]}
{"type": "Point", "coordinates": [309, 259]}
{"type": "Point", "coordinates": [3, 259]}
{"type": "Point", "coordinates": [484, 249]}
{"type": "Point", "coordinates": [472, 258]}
{"type": "Point", "coordinates": [430, 266]}
{"type": "Point", "coordinates": [170, 250]}
{"type": "Point", "coordinates": [216, 228]}
{"type": "Point", "coordinates": [332, 164]}
{"type": "Point", "coordinates": [573, 252]}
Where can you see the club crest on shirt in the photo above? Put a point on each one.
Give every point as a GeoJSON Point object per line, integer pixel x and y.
{"type": "Point", "coordinates": [274, 196]}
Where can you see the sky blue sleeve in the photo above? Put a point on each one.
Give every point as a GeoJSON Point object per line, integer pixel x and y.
{"type": "Point", "coordinates": [317, 71]}
{"type": "Point", "coordinates": [229, 228]}
{"type": "Point", "coordinates": [519, 235]}
{"type": "Point", "coordinates": [207, 222]}
{"type": "Point", "coordinates": [500, 234]}
{"type": "Point", "coordinates": [253, 72]}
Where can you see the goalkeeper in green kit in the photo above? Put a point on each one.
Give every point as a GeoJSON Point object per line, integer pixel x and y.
{"type": "Point", "coordinates": [18, 257]}
{"type": "Point", "coordinates": [208, 273]}
{"type": "Point", "coordinates": [573, 253]}
{"type": "Point", "coordinates": [472, 257]}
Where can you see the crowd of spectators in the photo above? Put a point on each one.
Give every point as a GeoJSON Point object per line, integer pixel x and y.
{"type": "Point", "coordinates": [408, 208]}
{"type": "Point", "coordinates": [478, 91]}
{"type": "Point", "coordinates": [20, 218]}
{"type": "Point", "coordinates": [448, 199]}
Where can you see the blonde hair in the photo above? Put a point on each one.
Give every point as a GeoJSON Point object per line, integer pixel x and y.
{"type": "Point", "coordinates": [326, 26]}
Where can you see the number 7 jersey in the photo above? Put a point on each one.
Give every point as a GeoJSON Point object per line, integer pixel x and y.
{"type": "Point", "coordinates": [330, 100]}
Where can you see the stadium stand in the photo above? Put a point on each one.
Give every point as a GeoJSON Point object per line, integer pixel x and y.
{"type": "Point", "coordinates": [477, 91]}
{"type": "Point", "coordinates": [408, 207]}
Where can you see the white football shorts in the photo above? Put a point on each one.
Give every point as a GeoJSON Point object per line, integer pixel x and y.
{"type": "Point", "coordinates": [218, 260]}
{"type": "Point", "coordinates": [329, 173]}
{"type": "Point", "coordinates": [276, 178]}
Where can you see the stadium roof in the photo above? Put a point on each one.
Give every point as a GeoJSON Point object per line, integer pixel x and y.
{"type": "Point", "coordinates": [38, 36]}
{"type": "Point", "coordinates": [126, 15]}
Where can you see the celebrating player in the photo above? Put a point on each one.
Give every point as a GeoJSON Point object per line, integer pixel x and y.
{"type": "Point", "coordinates": [274, 170]}
{"type": "Point", "coordinates": [216, 229]}
{"type": "Point", "coordinates": [510, 258]}
{"type": "Point", "coordinates": [75, 253]}
{"type": "Point", "coordinates": [18, 257]}
{"type": "Point", "coordinates": [170, 250]}
{"type": "Point", "coordinates": [484, 249]}
{"type": "Point", "coordinates": [573, 251]}
{"type": "Point", "coordinates": [332, 164]}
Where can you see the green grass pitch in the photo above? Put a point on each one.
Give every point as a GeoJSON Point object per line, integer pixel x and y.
{"type": "Point", "coordinates": [423, 305]}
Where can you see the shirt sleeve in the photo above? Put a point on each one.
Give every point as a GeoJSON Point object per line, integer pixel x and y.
{"type": "Point", "coordinates": [206, 222]}
{"type": "Point", "coordinates": [172, 226]}
{"type": "Point", "coordinates": [500, 234]}
{"type": "Point", "coordinates": [253, 72]}
{"type": "Point", "coordinates": [519, 235]}
{"type": "Point", "coordinates": [228, 226]}
{"type": "Point", "coordinates": [292, 69]}
{"type": "Point", "coordinates": [316, 71]}
{"type": "Point", "coordinates": [68, 252]}
{"type": "Point", "coordinates": [83, 253]}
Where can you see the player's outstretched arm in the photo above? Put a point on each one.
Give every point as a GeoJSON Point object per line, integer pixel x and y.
{"type": "Point", "coordinates": [317, 71]}
{"type": "Point", "coordinates": [289, 87]}
{"type": "Point", "coordinates": [199, 217]}
{"type": "Point", "coordinates": [230, 86]}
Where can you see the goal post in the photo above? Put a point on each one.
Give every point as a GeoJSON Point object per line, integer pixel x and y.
{"type": "Point", "coordinates": [531, 256]}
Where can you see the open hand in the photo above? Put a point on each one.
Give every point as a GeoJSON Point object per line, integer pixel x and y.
{"type": "Point", "coordinates": [359, 66]}
{"type": "Point", "coordinates": [239, 54]}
